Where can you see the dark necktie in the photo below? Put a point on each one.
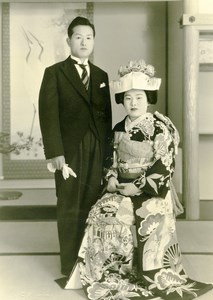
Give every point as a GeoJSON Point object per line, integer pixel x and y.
{"type": "Point", "coordinates": [84, 76]}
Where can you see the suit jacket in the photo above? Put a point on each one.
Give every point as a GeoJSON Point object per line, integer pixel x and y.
{"type": "Point", "coordinates": [66, 109]}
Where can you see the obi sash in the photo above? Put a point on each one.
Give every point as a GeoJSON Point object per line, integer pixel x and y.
{"type": "Point", "coordinates": [131, 158]}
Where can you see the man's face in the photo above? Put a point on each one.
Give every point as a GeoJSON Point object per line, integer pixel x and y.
{"type": "Point", "coordinates": [81, 42]}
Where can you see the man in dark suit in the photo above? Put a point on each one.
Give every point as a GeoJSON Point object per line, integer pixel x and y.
{"type": "Point", "coordinates": [75, 121]}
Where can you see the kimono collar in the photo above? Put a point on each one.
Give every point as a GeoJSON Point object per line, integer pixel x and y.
{"type": "Point", "coordinates": [130, 124]}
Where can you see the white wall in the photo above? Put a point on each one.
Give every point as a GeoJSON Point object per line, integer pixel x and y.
{"type": "Point", "coordinates": [128, 31]}
{"type": "Point", "coordinates": [205, 6]}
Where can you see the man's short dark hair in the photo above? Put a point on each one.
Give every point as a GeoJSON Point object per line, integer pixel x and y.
{"type": "Point", "coordinates": [79, 21]}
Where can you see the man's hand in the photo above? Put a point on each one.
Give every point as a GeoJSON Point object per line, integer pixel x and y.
{"type": "Point", "coordinates": [57, 162]}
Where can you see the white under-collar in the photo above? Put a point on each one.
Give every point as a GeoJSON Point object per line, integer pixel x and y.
{"type": "Point", "coordinates": [130, 124]}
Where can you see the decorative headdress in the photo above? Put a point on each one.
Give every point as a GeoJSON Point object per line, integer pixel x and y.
{"type": "Point", "coordinates": [136, 75]}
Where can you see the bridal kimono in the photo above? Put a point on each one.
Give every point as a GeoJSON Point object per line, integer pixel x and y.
{"type": "Point", "coordinates": [130, 248]}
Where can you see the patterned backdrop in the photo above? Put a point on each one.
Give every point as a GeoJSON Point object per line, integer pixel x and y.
{"type": "Point", "coordinates": [34, 37]}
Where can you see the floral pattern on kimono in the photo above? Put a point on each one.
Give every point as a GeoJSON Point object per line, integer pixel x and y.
{"type": "Point", "coordinates": [130, 248]}
{"type": "Point", "coordinates": [160, 147]}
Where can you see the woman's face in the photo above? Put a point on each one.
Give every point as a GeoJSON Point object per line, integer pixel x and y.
{"type": "Point", "coordinates": [135, 103]}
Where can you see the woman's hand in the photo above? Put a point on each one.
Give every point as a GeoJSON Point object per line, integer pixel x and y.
{"type": "Point", "coordinates": [128, 189]}
{"type": "Point", "coordinates": [112, 185]}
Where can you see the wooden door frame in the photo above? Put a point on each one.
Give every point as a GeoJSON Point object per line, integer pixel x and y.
{"type": "Point", "coordinates": [193, 24]}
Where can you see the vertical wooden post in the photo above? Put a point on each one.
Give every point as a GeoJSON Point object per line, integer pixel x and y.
{"type": "Point", "coordinates": [190, 116]}
{"type": "Point", "coordinates": [1, 108]}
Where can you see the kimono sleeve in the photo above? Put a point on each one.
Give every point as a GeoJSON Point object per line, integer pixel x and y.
{"type": "Point", "coordinates": [155, 180]}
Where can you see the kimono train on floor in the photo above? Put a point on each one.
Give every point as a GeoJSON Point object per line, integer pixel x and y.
{"type": "Point", "coordinates": [130, 248]}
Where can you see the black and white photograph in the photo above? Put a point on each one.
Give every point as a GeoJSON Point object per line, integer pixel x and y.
{"type": "Point", "coordinates": [106, 142]}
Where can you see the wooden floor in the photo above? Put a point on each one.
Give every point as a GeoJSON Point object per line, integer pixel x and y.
{"type": "Point", "coordinates": [29, 260]}
{"type": "Point", "coordinates": [29, 254]}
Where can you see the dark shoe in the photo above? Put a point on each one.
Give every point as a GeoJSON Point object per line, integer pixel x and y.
{"type": "Point", "coordinates": [62, 282]}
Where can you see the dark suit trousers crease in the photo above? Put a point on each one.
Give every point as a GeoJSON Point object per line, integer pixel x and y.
{"type": "Point", "coordinates": [75, 198]}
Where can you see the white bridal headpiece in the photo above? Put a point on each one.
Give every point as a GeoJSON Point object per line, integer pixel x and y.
{"type": "Point", "coordinates": [136, 75]}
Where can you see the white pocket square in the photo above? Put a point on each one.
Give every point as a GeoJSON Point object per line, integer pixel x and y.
{"type": "Point", "coordinates": [103, 84]}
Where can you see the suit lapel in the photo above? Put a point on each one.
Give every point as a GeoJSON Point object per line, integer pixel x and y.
{"type": "Point", "coordinates": [73, 76]}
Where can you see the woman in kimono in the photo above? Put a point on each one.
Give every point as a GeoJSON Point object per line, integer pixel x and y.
{"type": "Point", "coordinates": [130, 249]}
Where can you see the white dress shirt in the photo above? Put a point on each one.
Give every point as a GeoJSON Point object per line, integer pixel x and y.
{"type": "Point", "coordinates": [78, 68]}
